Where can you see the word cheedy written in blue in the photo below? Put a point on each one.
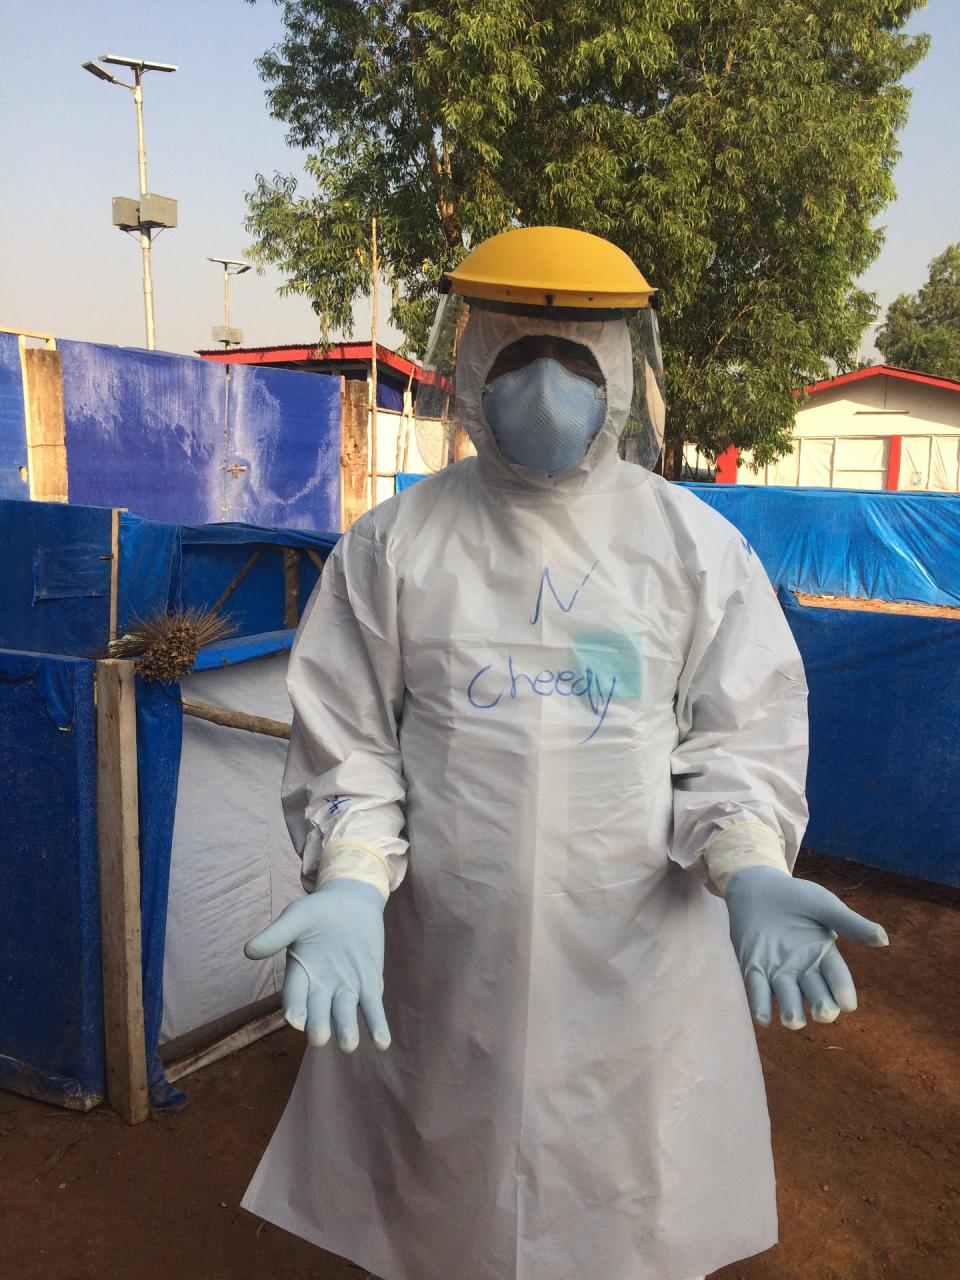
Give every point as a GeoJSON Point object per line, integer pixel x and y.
{"type": "Point", "coordinates": [485, 690]}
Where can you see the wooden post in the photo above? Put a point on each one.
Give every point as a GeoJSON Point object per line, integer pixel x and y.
{"type": "Point", "coordinates": [353, 450]}
{"type": "Point", "coordinates": [291, 586]}
{"type": "Point", "coordinates": [46, 431]}
{"type": "Point", "coordinates": [118, 836]}
{"type": "Point", "coordinates": [114, 569]}
{"type": "Point", "coordinates": [406, 426]}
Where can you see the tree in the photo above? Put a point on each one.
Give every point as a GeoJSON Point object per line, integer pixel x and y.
{"type": "Point", "coordinates": [739, 151]}
{"type": "Point", "coordinates": [922, 330]}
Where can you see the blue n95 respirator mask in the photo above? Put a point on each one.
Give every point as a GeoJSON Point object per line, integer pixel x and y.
{"type": "Point", "coordinates": [543, 416]}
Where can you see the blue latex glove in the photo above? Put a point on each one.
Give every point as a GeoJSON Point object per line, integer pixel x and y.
{"type": "Point", "coordinates": [334, 941]}
{"type": "Point", "coordinates": [784, 932]}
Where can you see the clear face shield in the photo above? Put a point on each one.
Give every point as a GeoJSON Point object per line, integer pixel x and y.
{"type": "Point", "coordinates": [438, 430]}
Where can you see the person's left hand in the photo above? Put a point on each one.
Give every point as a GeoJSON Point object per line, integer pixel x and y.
{"type": "Point", "coordinates": [784, 932]}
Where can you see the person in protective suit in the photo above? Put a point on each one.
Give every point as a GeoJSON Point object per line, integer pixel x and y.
{"type": "Point", "coordinates": [548, 704]}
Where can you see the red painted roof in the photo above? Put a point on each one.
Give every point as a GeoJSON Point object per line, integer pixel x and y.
{"type": "Point", "coordinates": [888, 371]}
{"type": "Point", "coordinates": [340, 352]}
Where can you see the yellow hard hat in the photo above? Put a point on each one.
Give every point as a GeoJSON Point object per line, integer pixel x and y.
{"type": "Point", "coordinates": [550, 267]}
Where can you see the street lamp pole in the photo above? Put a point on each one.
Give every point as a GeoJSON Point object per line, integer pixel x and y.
{"type": "Point", "coordinates": [223, 333]}
{"type": "Point", "coordinates": [150, 211]}
{"type": "Point", "coordinates": [145, 234]}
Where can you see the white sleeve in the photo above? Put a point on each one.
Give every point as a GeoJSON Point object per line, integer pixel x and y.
{"type": "Point", "coordinates": [343, 786]}
{"type": "Point", "coordinates": [739, 769]}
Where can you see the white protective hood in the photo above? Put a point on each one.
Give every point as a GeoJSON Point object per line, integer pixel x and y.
{"type": "Point", "coordinates": [486, 334]}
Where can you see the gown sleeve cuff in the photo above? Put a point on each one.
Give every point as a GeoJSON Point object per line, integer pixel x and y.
{"type": "Point", "coordinates": [745, 844]}
{"type": "Point", "coordinates": [354, 860]}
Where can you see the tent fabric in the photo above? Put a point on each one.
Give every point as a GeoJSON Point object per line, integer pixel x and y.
{"type": "Point", "coordinates": [884, 740]}
{"type": "Point", "coordinates": [233, 867]}
{"type": "Point", "coordinates": [51, 1000]}
{"type": "Point", "coordinates": [879, 546]}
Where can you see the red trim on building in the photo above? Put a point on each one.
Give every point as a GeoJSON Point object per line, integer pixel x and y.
{"type": "Point", "coordinates": [886, 371]}
{"type": "Point", "coordinates": [727, 466]}
{"type": "Point", "coordinates": [339, 353]}
{"type": "Point", "coordinates": [893, 462]}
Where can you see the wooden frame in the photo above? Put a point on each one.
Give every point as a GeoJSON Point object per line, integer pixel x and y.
{"type": "Point", "coordinates": [118, 838]}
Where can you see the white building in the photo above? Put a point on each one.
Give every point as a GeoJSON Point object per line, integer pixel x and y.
{"type": "Point", "coordinates": [876, 428]}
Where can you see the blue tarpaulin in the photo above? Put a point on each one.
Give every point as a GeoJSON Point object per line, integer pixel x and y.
{"type": "Point", "coordinates": [54, 577]}
{"type": "Point", "coordinates": [389, 394]}
{"type": "Point", "coordinates": [55, 573]}
{"type": "Point", "coordinates": [229, 653]}
{"type": "Point", "coordinates": [874, 546]}
{"type": "Point", "coordinates": [51, 999]}
{"type": "Point", "coordinates": [174, 438]}
{"type": "Point", "coordinates": [13, 431]}
{"type": "Point", "coordinates": [159, 735]}
{"type": "Point", "coordinates": [884, 737]}
{"type": "Point", "coordinates": [54, 595]}
{"type": "Point", "coordinates": [212, 556]}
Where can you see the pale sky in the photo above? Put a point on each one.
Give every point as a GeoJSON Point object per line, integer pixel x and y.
{"type": "Point", "coordinates": [68, 144]}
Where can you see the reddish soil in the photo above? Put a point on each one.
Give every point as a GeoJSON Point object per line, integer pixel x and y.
{"type": "Point", "coordinates": [866, 1118]}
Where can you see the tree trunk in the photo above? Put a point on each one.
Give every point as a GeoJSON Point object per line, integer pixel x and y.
{"type": "Point", "coordinates": [672, 458]}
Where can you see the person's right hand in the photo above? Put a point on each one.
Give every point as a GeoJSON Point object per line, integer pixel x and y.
{"type": "Point", "coordinates": [334, 942]}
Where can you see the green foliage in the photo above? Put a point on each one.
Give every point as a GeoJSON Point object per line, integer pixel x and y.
{"type": "Point", "coordinates": [922, 330]}
{"type": "Point", "coordinates": [738, 150]}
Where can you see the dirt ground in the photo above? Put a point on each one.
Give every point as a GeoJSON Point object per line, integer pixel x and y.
{"type": "Point", "coordinates": [866, 1120]}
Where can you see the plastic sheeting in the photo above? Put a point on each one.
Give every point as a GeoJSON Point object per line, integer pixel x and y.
{"type": "Point", "coordinates": [389, 394]}
{"type": "Point", "coordinates": [13, 431]}
{"type": "Point", "coordinates": [55, 573]}
{"type": "Point", "coordinates": [54, 577]}
{"type": "Point", "coordinates": [159, 721]}
{"type": "Point", "coordinates": [212, 556]}
{"type": "Point", "coordinates": [51, 1002]}
{"type": "Point", "coordinates": [180, 439]}
{"type": "Point", "coordinates": [233, 867]}
{"type": "Point", "coordinates": [884, 738]}
{"type": "Point", "coordinates": [284, 428]}
{"type": "Point", "coordinates": [879, 546]}
{"type": "Point", "coordinates": [149, 572]}
{"type": "Point", "coordinates": [54, 585]}
{"type": "Point", "coordinates": [243, 649]}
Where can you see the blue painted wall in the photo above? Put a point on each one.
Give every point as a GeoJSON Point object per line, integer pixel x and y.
{"type": "Point", "coordinates": [188, 441]}
{"type": "Point", "coordinates": [13, 433]}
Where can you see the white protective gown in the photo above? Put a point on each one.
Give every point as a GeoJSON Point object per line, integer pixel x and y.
{"type": "Point", "coordinates": [556, 691]}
